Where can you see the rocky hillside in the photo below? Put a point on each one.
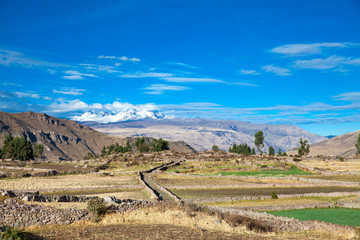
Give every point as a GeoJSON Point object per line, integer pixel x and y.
{"type": "Point", "coordinates": [63, 139]}
{"type": "Point", "coordinates": [202, 134]}
{"type": "Point", "coordinates": [342, 146]}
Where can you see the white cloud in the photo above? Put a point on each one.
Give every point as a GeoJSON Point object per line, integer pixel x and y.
{"type": "Point", "coordinates": [147, 75]}
{"type": "Point", "coordinates": [11, 58]}
{"type": "Point", "coordinates": [123, 58]}
{"type": "Point", "coordinates": [161, 88]}
{"type": "Point", "coordinates": [277, 70]}
{"type": "Point", "coordinates": [70, 91]}
{"type": "Point", "coordinates": [309, 49]}
{"type": "Point", "coordinates": [27, 94]}
{"type": "Point", "coordinates": [11, 84]}
{"type": "Point", "coordinates": [249, 72]}
{"type": "Point", "coordinates": [246, 84]}
{"type": "Point", "coordinates": [189, 79]}
{"type": "Point", "coordinates": [75, 75]}
{"type": "Point", "coordinates": [106, 57]}
{"type": "Point", "coordinates": [326, 63]}
{"type": "Point", "coordinates": [180, 64]}
{"type": "Point", "coordinates": [349, 96]}
{"type": "Point", "coordinates": [64, 106]}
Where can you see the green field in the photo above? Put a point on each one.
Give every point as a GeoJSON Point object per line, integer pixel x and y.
{"type": "Point", "coordinates": [231, 168]}
{"type": "Point", "coordinates": [342, 216]}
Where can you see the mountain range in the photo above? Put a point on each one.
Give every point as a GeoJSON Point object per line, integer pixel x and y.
{"type": "Point", "coordinates": [63, 139]}
{"type": "Point", "coordinates": [202, 134]}
{"type": "Point", "coordinates": [122, 116]}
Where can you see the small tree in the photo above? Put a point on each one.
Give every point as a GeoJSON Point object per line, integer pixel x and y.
{"type": "Point", "coordinates": [279, 152]}
{"type": "Point", "coordinates": [103, 151]}
{"type": "Point", "coordinates": [215, 148]}
{"type": "Point", "coordinates": [259, 141]}
{"type": "Point", "coordinates": [304, 148]}
{"type": "Point", "coordinates": [357, 145]}
{"type": "Point", "coordinates": [97, 208]}
{"type": "Point", "coordinates": [158, 145]}
{"type": "Point", "coordinates": [38, 150]}
{"type": "Point", "coordinates": [271, 151]}
{"type": "Point", "coordinates": [253, 151]}
{"type": "Point", "coordinates": [141, 145]}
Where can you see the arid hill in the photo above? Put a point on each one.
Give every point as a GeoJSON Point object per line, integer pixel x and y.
{"type": "Point", "coordinates": [63, 139]}
{"type": "Point", "coordinates": [342, 146]}
{"type": "Point", "coordinates": [202, 134]}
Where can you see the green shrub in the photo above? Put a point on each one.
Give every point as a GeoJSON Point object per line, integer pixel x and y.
{"type": "Point", "coordinates": [215, 148]}
{"type": "Point", "coordinates": [97, 208]}
{"type": "Point", "coordinates": [274, 195]}
{"type": "Point", "coordinates": [11, 234]}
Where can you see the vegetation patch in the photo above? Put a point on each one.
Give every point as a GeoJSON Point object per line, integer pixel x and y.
{"type": "Point", "coordinates": [342, 216]}
{"type": "Point", "coordinates": [239, 168]}
{"type": "Point", "coordinates": [293, 170]}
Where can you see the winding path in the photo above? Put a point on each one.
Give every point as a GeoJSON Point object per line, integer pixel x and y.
{"type": "Point", "coordinates": [158, 192]}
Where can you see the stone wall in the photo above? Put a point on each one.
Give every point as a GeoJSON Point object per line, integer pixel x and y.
{"type": "Point", "coordinates": [35, 196]}
{"type": "Point", "coordinates": [13, 213]}
{"type": "Point", "coordinates": [148, 189]}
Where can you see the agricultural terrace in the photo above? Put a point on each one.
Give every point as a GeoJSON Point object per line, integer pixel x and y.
{"type": "Point", "coordinates": [251, 167]}
{"type": "Point", "coordinates": [342, 216]}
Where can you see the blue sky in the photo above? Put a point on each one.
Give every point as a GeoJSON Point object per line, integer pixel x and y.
{"type": "Point", "coordinates": [280, 62]}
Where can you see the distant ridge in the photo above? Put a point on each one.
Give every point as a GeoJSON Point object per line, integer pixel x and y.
{"type": "Point", "coordinates": [342, 146]}
{"type": "Point", "coordinates": [202, 134]}
{"type": "Point", "coordinates": [63, 139]}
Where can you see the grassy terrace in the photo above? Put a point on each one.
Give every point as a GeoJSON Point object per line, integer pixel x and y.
{"type": "Point", "coordinates": [293, 170]}
{"type": "Point", "coordinates": [240, 192]}
{"type": "Point", "coordinates": [342, 216]}
{"type": "Point", "coordinates": [73, 182]}
{"type": "Point", "coordinates": [191, 181]}
{"type": "Point", "coordinates": [232, 168]}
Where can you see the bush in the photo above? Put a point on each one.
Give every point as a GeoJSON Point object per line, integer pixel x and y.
{"type": "Point", "coordinates": [11, 234]}
{"type": "Point", "coordinates": [97, 208]}
{"type": "Point", "coordinates": [274, 195]}
{"type": "Point", "coordinates": [159, 145]}
{"type": "Point", "coordinates": [215, 148]}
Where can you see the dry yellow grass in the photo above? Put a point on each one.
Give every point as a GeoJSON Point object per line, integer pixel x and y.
{"type": "Point", "coordinates": [281, 201]}
{"type": "Point", "coordinates": [171, 217]}
{"type": "Point", "coordinates": [70, 182]}
{"type": "Point", "coordinates": [171, 180]}
{"type": "Point", "coordinates": [139, 194]}
{"type": "Point", "coordinates": [333, 165]}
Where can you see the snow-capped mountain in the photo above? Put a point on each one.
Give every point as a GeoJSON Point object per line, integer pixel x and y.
{"type": "Point", "coordinates": [126, 115]}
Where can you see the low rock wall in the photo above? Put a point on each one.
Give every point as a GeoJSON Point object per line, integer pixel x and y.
{"type": "Point", "coordinates": [147, 187]}
{"type": "Point", "coordinates": [15, 214]}
{"type": "Point", "coordinates": [36, 197]}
